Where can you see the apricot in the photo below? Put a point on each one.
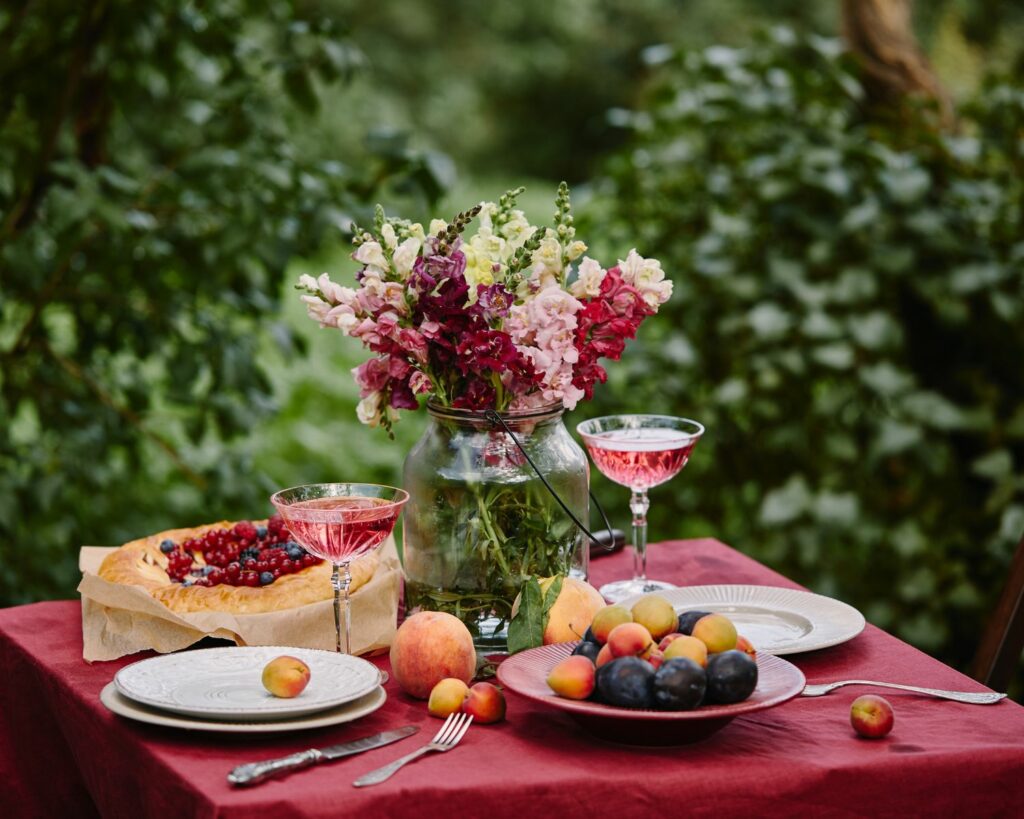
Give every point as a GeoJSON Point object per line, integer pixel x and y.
{"type": "Point", "coordinates": [608, 618]}
{"type": "Point", "coordinates": [744, 645]}
{"type": "Point", "coordinates": [485, 703]}
{"type": "Point", "coordinates": [655, 657]}
{"type": "Point", "coordinates": [717, 632]}
{"type": "Point", "coordinates": [655, 614]}
{"type": "Point", "coordinates": [689, 647]}
{"type": "Point", "coordinates": [428, 647]}
{"type": "Point", "coordinates": [286, 676]}
{"type": "Point", "coordinates": [668, 638]}
{"type": "Point", "coordinates": [447, 697]}
{"type": "Point", "coordinates": [872, 716]}
{"type": "Point", "coordinates": [574, 678]}
{"type": "Point", "coordinates": [630, 640]}
{"type": "Point", "coordinates": [604, 656]}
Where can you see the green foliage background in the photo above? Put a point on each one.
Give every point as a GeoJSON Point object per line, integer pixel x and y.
{"type": "Point", "coordinates": [847, 319]}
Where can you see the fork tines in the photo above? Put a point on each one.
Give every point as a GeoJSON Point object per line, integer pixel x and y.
{"type": "Point", "coordinates": [453, 729]}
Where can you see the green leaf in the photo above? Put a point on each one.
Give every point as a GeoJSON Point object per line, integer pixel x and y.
{"type": "Point", "coordinates": [550, 596]}
{"type": "Point", "coordinates": [526, 629]}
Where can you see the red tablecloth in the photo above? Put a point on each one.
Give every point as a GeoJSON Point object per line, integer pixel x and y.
{"type": "Point", "coordinates": [63, 754]}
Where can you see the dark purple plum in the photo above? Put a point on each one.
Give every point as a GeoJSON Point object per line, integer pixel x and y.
{"type": "Point", "coordinates": [679, 685]}
{"type": "Point", "coordinates": [688, 619]}
{"type": "Point", "coordinates": [626, 682]}
{"type": "Point", "coordinates": [732, 676]}
{"type": "Point", "coordinates": [588, 650]}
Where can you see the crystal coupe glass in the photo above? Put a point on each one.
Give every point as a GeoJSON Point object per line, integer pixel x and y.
{"type": "Point", "coordinates": [339, 522]}
{"type": "Point", "coordinates": [639, 451]}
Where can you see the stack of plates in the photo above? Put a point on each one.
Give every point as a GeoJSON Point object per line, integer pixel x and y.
{"type": "Point", "coordinates": [221, 689]}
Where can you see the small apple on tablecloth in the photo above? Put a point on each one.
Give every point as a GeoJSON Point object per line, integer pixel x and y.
{"type": "Point", "coordinates": [871, 716]}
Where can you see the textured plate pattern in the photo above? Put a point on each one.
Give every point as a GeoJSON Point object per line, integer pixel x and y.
{"type": "Point", "coordinates": [526, 673]}
{"type": "Point", "coordinates": [226, 683]}
{"type": "Point", "coordinates": [776, 621]}
{"type": "Point", "coordinates": [348, 712]}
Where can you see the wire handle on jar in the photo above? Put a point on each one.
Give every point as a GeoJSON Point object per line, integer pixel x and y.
{"type": "Point", "coordinates": [495, 418]}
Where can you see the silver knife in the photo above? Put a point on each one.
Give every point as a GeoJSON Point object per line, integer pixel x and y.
{"type": "Point", "coordinates": [254, 772]}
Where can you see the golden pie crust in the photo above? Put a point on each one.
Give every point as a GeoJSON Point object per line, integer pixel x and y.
{"type": "Point", "coordinates": [141, 563]}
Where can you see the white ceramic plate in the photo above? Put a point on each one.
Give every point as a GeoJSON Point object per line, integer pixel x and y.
{"type": "Point", "coordinates": [226, 683]}
{"type": "Point", "coordinates": [348, 712]}
{"type": "Point", "coordinates": [776, 621]}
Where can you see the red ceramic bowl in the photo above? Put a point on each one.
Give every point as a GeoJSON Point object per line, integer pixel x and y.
{"type": "Point", "coordinates": [526, 674]}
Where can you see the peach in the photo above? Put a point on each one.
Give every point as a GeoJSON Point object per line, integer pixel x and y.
{"type": "Point", "coordinates": [871, 716]}
{"type": "Point", "coordinates": [655, 657]}
{"type": "Point", "coordinates": [668, 638]}
{"type": "Point", "coordinates": [630, 640]}
{"type": "Point", "coordinates": [447, 697]}
{"type": "Point", "coordinates": [485, 703]}
{"type": "Point", "coordinates": [717, 632]}
{"type": "Point", "coordinates": [574, 678]}
{"type": "Point", "coordinates": [744, 645]}
{"type": "Point", "coordinates": [689, 647]}
{"type": "Point", "coordinates": [608, 618]}
{"type": "Point", "coordinates": [286, 676]}
{"type": "Point", "coordinates": [655, 614]}
{"type": "Point", "coordinates": [604, 655]}
{"type": "Point", "coordinates": [573, 610]}
{"type": "Point", "coordinates": [430, 646]}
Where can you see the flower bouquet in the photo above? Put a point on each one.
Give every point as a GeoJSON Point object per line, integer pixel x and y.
{"type": "Point", "coordinates": [513, 319]}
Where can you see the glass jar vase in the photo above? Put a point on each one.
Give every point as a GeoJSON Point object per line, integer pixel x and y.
{"type": "Point", "coordinates": [480, 521]}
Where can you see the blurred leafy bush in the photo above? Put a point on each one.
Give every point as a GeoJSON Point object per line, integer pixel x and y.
{"type": "Point", "coordinates": [151, 196]}
{"type": "Point", "coordinates": [848, 322]}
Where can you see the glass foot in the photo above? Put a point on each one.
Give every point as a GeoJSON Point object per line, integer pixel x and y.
{"type": "Point", "coordinates": [621, 589]}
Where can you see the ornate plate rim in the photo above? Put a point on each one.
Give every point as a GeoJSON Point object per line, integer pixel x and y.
{"type": "Point", "coordinates": [123, 706]}
{"type": "Point", "coordinates": [273, 708]}
{"type": "Point", "coordinates": [848, 622]}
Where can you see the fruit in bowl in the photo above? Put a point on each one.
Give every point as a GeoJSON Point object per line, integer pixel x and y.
{"type": "Point", "coordinates": [286, 676]}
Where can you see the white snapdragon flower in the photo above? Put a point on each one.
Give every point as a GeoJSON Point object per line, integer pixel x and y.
{"type": "Point", "coordinates": [308, 282]}
{"type": "Point", "coordinates": [516, 230]}
{"type": "Point", "coordinates": [646, 276]}
{"type": "Point", "coordinates": [588, 282]}
{"type": "Point", "coordinates": [405, 256]}
{"type": "Point", "coordinates": [575, 250]}
{"type": "Point", "coordinates": [485, 243]}
{"type": "Point", "coordinates": [437, 226]}
{"type": "Point", "coordinates": [372, 254]}
{"type": "Point", "coordinates": [368, 410]}
{"type": "Point", "coordinates": [416, 231]}
{"type": "Point", "coordinates": [387, 232]}
{"type": "Point", "coordinates": [486, 214]}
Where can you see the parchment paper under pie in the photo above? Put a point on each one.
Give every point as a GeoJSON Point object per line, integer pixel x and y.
{"type": "Point", "coordinates": [119, 619]}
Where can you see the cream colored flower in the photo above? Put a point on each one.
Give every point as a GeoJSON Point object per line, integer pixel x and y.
{"type": "Point", "coordinates": [588, 282]}
{"type": "Point", "coordinates": [405, 256]}
{"type": "Point", "coordinates": [368, 410]}
{"type": "Point", "coordinates": [387, 231]}
{"type": "Point", "coordinates": [372, 254]}
{"type": "Point", "coordinates": [575, 250]}
{"type": "Point", "coordinates": [437, 226]}
{"type": "Point", "coordinates": [417, 232]}
{"type": "Point", "coordinates": [646, 276]}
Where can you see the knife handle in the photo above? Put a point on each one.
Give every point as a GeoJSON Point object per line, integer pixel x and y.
{"type": "Point", "coordinates": [254, 772]}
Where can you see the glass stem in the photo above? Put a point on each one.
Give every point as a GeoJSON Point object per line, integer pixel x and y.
{"type": "Point", "coordinates": [348, 611]}
{"type": "Point", "coordinates": [336, 582]}
{"type": "Point", "coordinates": [638, 505]}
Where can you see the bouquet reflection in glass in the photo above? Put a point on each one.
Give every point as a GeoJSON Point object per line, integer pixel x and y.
{"type": "Point", "coordinates": [339, 522]}
{"type": "Point", "coordinates": [639, 451]}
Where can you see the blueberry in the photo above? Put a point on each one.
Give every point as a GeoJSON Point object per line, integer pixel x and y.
{"type": "Point", "coordinates": [295, 554]}
{"type": "Point", "coordinates": [207, 570]}
{"type": "Point", "coordinates": [261, 532]}
{"type": "Point", "coordinates": [266, 578]}
{"type": "Point", "coordinates": [167, 546]}
{"type": "Point", "coordinates": [250, 552]}
{"type": "Point", "coordinates": [187, 581]}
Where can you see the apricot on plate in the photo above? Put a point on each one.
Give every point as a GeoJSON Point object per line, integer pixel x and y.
{"type": "Point", "coordinates": [717, 632]}
{"type": "Point", "coordinates": [689, 647]}
{"type": "Point", "coordinates": [286, 676]}
{"type": "Point", "coordinates": [608, 618]}
{"type": "Point", "coordinates": [485, 703]}
{"type": "Point", "coordinates": [573, 678]}
{"type": "Point", "coordinates": [655, 614]}
{"type": "Point", "coordinates": [744, 645]}
{"type": "Point", "coordinates": [668, 638]}
{"type": "Point", "coordinates": [630, 640]}
{"type": "Point", "coordinates": [447, 697]}
{"type": "Point", "coordinates": [604, 656]}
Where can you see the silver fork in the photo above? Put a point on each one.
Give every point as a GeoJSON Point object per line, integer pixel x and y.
{"type": "Point", "coordinates": [448, 737]}
{"type": "Point", "coordinates": [985, 698]}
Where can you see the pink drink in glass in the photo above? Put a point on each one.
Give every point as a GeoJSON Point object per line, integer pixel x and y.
{"type": "Point", "coordinates": [640, 458]}
{"type": "Point", "coordinates": [356, 526]}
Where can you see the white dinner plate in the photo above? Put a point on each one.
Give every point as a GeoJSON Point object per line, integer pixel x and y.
{"type": "Point", "coordinates": [348, 712]}
{"type": "Point", "coordinates": [227, 683]}
{"type": "Point", "coordinates": [776, 621]}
